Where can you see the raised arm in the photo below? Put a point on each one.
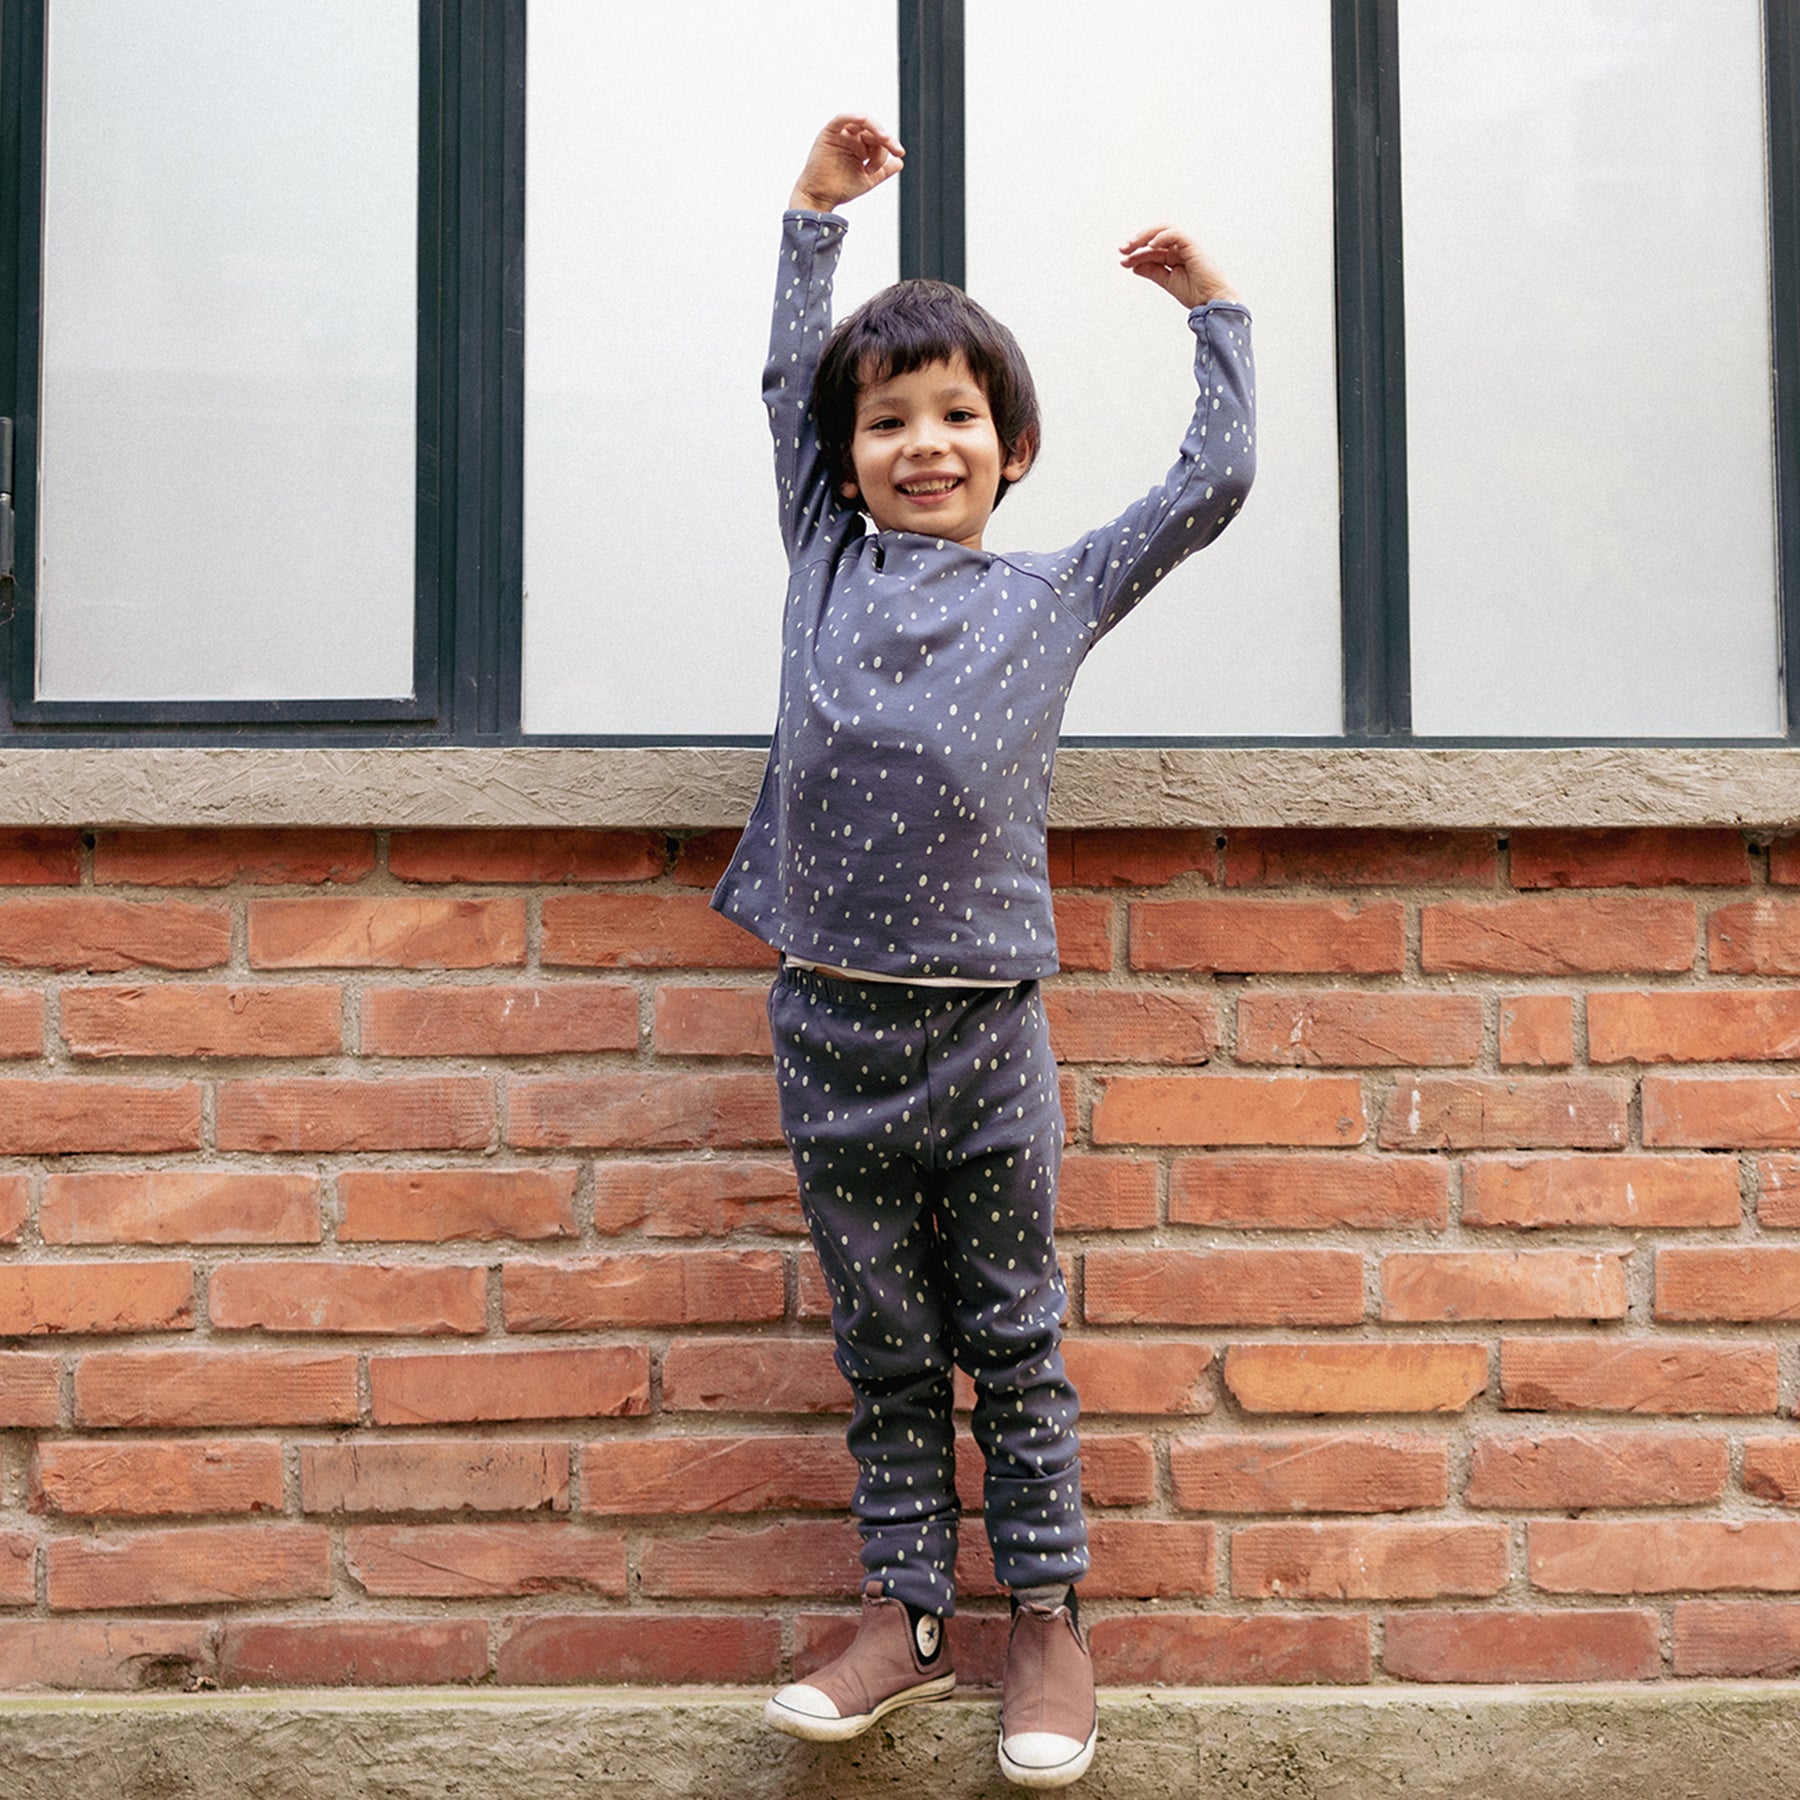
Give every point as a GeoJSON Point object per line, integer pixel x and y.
{"type": "Point", "coordinates": [848, 158]}
{"type": "Point", "coordinates": [1113, 568]}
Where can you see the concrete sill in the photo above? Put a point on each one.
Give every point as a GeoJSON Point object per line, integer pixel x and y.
{"type": "Point", "coordinates": [1659, 1741]}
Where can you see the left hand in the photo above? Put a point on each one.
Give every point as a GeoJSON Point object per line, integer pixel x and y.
{"type": "Point", "coordinates": [1177, 264]}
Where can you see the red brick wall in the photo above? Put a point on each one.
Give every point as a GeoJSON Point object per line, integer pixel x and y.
{"type": "Point", "coordinates": [401, 1281]}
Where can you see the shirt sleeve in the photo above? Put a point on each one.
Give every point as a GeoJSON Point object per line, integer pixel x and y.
{"type": "Point", "coordinates": [1105, 575]}
{"type": "Point", "coordinates": [797, 332]}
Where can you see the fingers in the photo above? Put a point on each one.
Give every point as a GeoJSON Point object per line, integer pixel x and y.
{"type": "Point", "coordinates": [865, 140]}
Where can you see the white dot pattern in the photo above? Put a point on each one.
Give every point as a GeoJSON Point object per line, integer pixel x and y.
{"type": "Point", "coordinates": [927, 1133]}
{"type": "Point", "coordinates": [902, 821]}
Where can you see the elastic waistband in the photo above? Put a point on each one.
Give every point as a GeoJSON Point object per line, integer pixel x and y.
{"type": "Point", "coordinates": [907, 995]}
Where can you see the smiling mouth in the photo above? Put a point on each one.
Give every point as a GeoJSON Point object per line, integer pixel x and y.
{"type": "Point", "coordinates": [930, 489]}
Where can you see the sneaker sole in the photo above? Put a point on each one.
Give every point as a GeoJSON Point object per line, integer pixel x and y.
{"type": "Point", "coordinates": [834, 1731]}
{"type": "Point", "coordinates": [1058, 1774]}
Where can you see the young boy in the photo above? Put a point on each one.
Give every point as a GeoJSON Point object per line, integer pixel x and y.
{"type": "Point", "coordinates": [896, 858]}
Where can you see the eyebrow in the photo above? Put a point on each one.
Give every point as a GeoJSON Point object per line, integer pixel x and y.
{"type": "Point", "coordinates": [879, 398]}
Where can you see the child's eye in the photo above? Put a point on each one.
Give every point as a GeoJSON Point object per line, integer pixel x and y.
{"type": "Point", "coordinates": [883, 425]}
{"type": "Point", "coordinates": [960, 415]}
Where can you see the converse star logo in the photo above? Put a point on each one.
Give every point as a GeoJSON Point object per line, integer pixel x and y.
{"type": "Point", "coordinates": [928, 1633]}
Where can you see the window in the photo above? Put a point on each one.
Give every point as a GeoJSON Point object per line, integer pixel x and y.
{"type": "Point", "coordinates": [392, 378]}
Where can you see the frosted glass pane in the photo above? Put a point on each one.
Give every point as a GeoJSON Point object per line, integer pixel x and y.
{"type": "Point", "coordinates": [1589, 440]}
{"type": "Point", "coordinates": [662, 142]}
{"type": "Point", "coordinates": [229, 350]}
{"type": "Point", "coordinates": [1085, 124]}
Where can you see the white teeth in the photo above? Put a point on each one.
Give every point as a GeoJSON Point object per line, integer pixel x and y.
{"type": "Point", "coordinates": [926, 487]}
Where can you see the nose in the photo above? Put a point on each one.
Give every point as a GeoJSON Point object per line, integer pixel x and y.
{"type": "Point", "coordinates": [926, 439]}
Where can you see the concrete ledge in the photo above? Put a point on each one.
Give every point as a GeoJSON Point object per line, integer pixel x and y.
{"type": "Point", "coordinates": [696, 788]}
{"type": "Point", "coordinates": [1668, 1741]}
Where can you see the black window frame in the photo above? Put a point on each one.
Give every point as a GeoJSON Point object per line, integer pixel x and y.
{"type": "Point", "coordinates": [469, 605]}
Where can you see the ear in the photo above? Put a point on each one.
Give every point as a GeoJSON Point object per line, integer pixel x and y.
{"type": "Point", "coordinates": [1020, 457]}
{"type": "Point", "coordinates": [848, 489]}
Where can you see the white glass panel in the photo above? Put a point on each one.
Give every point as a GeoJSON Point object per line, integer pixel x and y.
{"type": "Point", "coordinates": [662, 143]}
{"type": "Point", "coordinates": [1589, 442]}
{"type": "Point", "coordinates": [229, 349]}
{"type": "Point", "coordinates": [1084, 124]}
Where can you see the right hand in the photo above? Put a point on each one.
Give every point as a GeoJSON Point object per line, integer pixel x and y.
{"type": "Point", "coordinates": [848, 158]}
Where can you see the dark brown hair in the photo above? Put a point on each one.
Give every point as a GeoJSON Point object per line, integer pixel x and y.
{"type": "Point", "coordinates": [903, 328]}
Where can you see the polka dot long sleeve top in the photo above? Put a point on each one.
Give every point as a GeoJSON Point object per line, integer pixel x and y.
{"type": "Point", "coordinates": [901, 827]}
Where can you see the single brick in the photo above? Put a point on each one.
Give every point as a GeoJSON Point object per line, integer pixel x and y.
{"type": "Point", "coordinates": [28, 1390]}
{"type": "Point", "coordinates": [99, 935]}
{"type": "Point", "coordinates": [1367, 1562]}
{"type": "Point", "coordinates": [191, 1565]}
{"type": "Point", "coordinates": [1646, 857]}
{"type": "Point", "coordinates": [1731, 1025]}
{"type": "Point", "coordinates": [103, 1655]}
{"type": "Point", "coordinates": [589, 1648]}
{"type": "Point", "coordinates": [1356, 1377]}
{"type": "Point", "coordinates": [400, 1299]}
{"type": "Point", "coordinates": [1503, 1284]}
{"type": "Point", "coordinates": [1131, 858]}
{"type": "Point", "coordinates": [700, 860]}
{"type": "Point", "coordinates": [678, 1287]}
{"type": "Point", "coordinates": [460, 1562]}
{"type": "Point", "coordinates": [352, 1652]}
{"type": "Point", "coordinates": [607, 1381]}
{"type": "Point", "coordinates": [388, 931]}
{"type": "Point", "coordinates": [707, 1199]}
{"type": "Point", "coordinates": [1475, 1112]}
{"type": "Point", "coordinates": [535, 857]}
{"type": "Point", "coordinates": [767, 1472]}
{"type": "Point", "coordinates": [21, 1023]}
{"type": "Point", "coordinates": [1229, 1109]}
{"type": "Point", "coordinates": [40, 858]}
{"type": "Point", "coordinates": [491, 1475]}
{"type": "Point", "coordinates": [499, 1021]}
{"type": "Point", "coordinates": [645, 931]}
{"type": "Point", "coordinates": [1778, 1201]}
{"type": "Point", "coordinates": [1652, 1192]}
{"type": "Point", "coordinates": [1224, 1287]}
{"type": "Point", "coordinates": [1128, 1025]}
{"type": "Point", "coordinates": [1323, 857]}
{"type": "Point", "coordinates": [1537, 1031]}
{"type": "Point", "coordinates": [712, 1021]}
{"type": "Point", "coordinates": [1575, 1470]}
{"type": "Point", "coordinates": [1745, 1639]}
{"type": "Point", "coordinates": [1740, 1283]}
{"type": "Point", "coordinates": [1772, 1470]}
{"type": "Point", "coordinates": [1597, 1375]}
{"type": "Point", "coordinates": [1084, 934]}
{"type": "Point", "coordinates": [18, 1569]}
{"type": "Point", "coordinates": [197, 1389]}
{"type": "Point", "coordinates": [638, 1111]}
{"type": "Point", "coordinates": [1724, 1113]}
{"type": "Point", "coordinates": [1754, 937]}
{"type": "Point", "coordinates": [796, 1559]}
{"type": "Point", "coordinates": [1784, 860]}
{"type": "Point", "coordinates": [754, 1375]}
{"type": "Point", "coordinates": [61, 1117]}
{"type": "Point", "coordinates": [180, 1206]}
{"type": "Point", "coordinates": [1329, 1029]}
{"type": "Point", "coordinates": [1326, 1472]}
{"type": "Point", "coordinates": [1308, 1192]}
{"type": "Point", "coordinates": [320, 1113]}
{"type": "Point", "coordinates": [156, 1477]}
{"type": "Point", "coordinates": [1663, 1556]}
{"type": "Point", "coordinates": [175, 1019]}
{"type": "Point", "coordinates": [259, 856]}
{"type": "Point", "coordinates": [15, 1206]}
{"type": "Point", "coordinates": [39, 1299]}
{"type": "Point", "coordinates": [1217, 1649]}
{"type": "Point", "coordinates": [1514, 1646]}
{"type": "Point", "coordinates": [431, 1206]}
{"type": "Point", "coordinates": [1118, 1468]}
{"type": "Point", "coordinates": [1153, 1377]}
{"type": "Point", "coordinates": [1269, 937]}
{"type": "Point", "coordinates": [1150, 1559]}
{"type": "Point", "coordinates": [1562, 934]}
{"type": "Point", "coordinates": [1106, 1193]}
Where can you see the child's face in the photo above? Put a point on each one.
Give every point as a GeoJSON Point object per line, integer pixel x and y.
{"type": "Point", "coordinates": [926, 454]}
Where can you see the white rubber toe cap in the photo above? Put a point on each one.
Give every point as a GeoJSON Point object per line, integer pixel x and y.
{"type": "Point", "coordinates": [1042, 1749]}
{"type": "Point", "coordinates": [810, 1702]}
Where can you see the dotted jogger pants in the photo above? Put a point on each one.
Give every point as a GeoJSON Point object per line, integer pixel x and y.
{"type": "Point", "coordinates": [926, 1131]}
